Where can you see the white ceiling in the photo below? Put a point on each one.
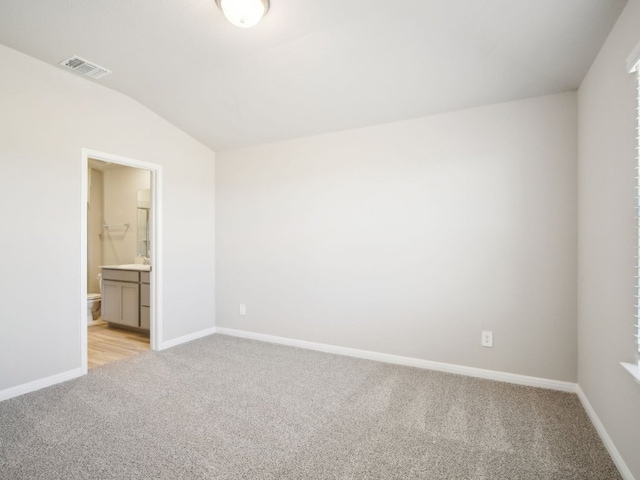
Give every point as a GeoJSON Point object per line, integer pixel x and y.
{"type": "Point", "coordinates": [316, 66]}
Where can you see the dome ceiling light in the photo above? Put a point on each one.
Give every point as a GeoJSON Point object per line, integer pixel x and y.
{"type": "Point", "coordinates": [244, 13]}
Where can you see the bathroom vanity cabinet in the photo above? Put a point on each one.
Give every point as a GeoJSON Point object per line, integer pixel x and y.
{"type": "Point", "coordinates": [126, 297]}
{"type": "Point", "coordinates": [145, 300]}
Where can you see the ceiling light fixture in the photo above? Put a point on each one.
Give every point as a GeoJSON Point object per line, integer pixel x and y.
{"type": "Point", "coordinates": [244, 13]}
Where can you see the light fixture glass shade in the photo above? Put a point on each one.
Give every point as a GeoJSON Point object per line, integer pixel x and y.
{"type": "Point", "coordinates": [244, 13]}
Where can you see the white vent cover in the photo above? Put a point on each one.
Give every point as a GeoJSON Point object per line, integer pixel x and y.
{"type": "Point", "coordinates": [80, 65]}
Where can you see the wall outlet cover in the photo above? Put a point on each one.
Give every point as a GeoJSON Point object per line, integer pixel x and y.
{"type": "Point", "coordinates": [487, 339]}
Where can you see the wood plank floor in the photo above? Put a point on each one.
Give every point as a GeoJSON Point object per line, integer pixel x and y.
{"type": "Point", "coordinates": [108, 344]}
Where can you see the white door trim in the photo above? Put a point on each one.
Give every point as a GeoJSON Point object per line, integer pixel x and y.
{"type": "Point", "coordinates": [156, 334]}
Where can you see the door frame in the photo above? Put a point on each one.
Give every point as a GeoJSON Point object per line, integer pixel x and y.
{"type": "Point", "coordinates": [156, 332]}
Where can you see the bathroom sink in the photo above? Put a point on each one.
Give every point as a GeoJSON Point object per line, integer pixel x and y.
{"type": "Point", "coordinates": [132, 266]}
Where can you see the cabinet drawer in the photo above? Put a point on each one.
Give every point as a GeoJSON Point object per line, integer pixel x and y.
{"type": "Point", "coordinates": [145, 317]}
{"type": "Point", "coordinates": [144, 277]}
{"type": "Point", "coordinates": [145, 295]}
{"type": "Point", "coordinates": [120, 275]}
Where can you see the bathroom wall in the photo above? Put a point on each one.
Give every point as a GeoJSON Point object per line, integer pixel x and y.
{"type": "Point", "coordinates": [121, 187]}
{"type": "Point", "coordinates": [94, 227]}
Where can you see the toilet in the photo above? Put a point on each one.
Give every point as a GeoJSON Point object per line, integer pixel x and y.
{"type": "Point", "coordinates": [94, 303]}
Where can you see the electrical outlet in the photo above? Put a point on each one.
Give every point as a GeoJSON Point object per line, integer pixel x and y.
{"type": "Point", "coordinates": [243, 309]}
{"type": "Point", "coordinates": [487, 339]}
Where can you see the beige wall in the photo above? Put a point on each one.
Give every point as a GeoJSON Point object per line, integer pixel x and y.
{"type": "Point", "coordinates": [113, 200]}
{"type": "Point", "coordinates": [47, 116]}
{"type": "Point", "coordinates": [411, 238]}
{"type": "Point", "coordinates": [606, 105]}
{"type": "Point", "coordinates": [95, 216]}
{"type": "Point", "coordinates": [121, 185]}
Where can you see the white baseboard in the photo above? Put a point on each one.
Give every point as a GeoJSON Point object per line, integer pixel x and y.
{"type": "Point", "coordinates": [611, 448]}
{"type": "Point", "coordinates": [408, 361]}
{"type": "Point", "coordinates": [187, 338]}
{"type": "Point", "coordinates": [18, 390]}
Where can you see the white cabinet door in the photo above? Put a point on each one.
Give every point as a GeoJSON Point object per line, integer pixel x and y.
{"type": "Point", "coordinates": [121, 303]}
{"type": "Point", "coordinates": [130, 307]}
{"type": "Point", "coordinates": [111, 300]}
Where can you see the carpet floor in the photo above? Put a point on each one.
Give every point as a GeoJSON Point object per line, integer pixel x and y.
{"type": "Point", "coordinates": [229, 408]}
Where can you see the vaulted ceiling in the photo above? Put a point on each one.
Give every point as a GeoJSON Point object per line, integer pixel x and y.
{"type": "Point", "coordinates": [316, 66]}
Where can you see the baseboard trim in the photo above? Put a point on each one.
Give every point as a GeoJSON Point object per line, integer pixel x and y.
{"type": "Point", "coordinates": [187, 338]}
{"type": "Point", "coordinates": [606, 439]}
{"type": "Point", "coordinates": [29, 387]}
{"type": "Point", "coordinates": [407, 361]}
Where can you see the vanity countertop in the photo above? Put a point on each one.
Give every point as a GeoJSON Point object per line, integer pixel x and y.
{"type": "Point", "coordinates": [133, 266]}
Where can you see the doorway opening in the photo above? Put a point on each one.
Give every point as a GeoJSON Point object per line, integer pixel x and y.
{"type": "Point", "coordinates": [121, 213]}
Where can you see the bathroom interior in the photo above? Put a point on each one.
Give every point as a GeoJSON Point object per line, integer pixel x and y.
{"type": "Point", "coordinates": [118, 262]}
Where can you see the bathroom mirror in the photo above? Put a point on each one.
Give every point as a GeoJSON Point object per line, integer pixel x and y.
{"type": "Point", "coordinates": [144, 207]}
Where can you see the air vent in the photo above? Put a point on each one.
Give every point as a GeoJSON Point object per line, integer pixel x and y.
{"type": "Point", "coordinates": [80, 65]}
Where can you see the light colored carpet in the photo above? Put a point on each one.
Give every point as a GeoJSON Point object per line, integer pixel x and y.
{"type": "Point", "coordinates": [227, 408]}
